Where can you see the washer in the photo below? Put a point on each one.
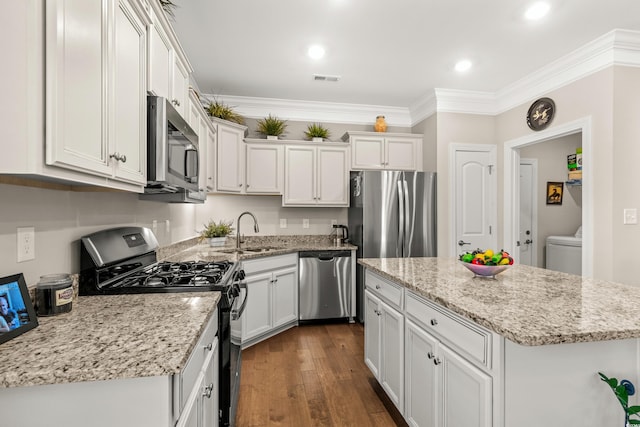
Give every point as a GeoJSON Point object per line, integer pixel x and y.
{"type": "Point", "coordinates": [564, 253]}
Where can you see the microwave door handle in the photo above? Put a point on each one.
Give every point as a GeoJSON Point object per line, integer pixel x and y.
{"type": "Point", "coordinates": [189, 160]}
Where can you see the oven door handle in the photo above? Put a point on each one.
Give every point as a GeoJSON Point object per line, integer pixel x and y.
{"type": "Point", "coordinates": [236, 313]}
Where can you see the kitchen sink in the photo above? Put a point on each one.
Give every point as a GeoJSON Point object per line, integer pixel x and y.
{"type": "Point", "coordinates": [248, 250]}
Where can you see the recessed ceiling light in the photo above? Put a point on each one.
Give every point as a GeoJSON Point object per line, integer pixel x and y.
{"type": "Point", "coordinates": [462, 66]}
{"type": "Point", "coordinates": [537, 11]}
{"type": "Point", "coordinates": [315, 51]}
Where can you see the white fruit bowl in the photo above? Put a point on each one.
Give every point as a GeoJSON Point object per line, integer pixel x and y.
{"type": "Point", "coordinates": [485, 270]}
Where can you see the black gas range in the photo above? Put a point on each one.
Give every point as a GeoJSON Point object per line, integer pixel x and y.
{"type": "Point", "coordinates": [124, 261]}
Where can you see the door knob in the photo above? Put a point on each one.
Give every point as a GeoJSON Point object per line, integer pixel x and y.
{"type": "Point", "coordinates": [462, 243]}
{"type": "Point", "coordinates": [528, 242]}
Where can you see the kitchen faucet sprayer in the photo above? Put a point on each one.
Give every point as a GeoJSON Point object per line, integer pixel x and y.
{"type": "Point", "coordinates": [255, 227]}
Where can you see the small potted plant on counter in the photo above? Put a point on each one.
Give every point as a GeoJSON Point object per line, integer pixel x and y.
{"type": "Point", "coordinates": [216, 233]}
{"type": "Point", "coordinates": [316, 132]}
{"type": "Point", "coordinates": [271, 126]}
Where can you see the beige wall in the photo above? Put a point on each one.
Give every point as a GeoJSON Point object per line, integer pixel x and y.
{"type": "Point", "coordinates": [591, 97]}
{"type": "Point", "coordinates": [555, 220]}
{"type": "Point", "coordinates": [460, 129]}
{"type": "Point", "coordinates": [428, 128]}
{"type": "Point", "coordinates": [625, 173]}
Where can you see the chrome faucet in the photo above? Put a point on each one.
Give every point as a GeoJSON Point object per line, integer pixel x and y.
{"type": "Point", "coordinates": [255, 227]}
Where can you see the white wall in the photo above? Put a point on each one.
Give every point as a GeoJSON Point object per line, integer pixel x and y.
{"type": "Point", "coordinates": [555, 220]}
{"type": "Point", "coordinates": [60, 218]}
{"type": "Point", "coordinates": [268, 210]}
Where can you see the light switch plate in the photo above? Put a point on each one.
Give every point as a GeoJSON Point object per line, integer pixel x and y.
{"type": "Point", "coordinates": [305, 223]}
{"type": "Point", "coordinates": [283, 222]}
{"type": "Point", "coordinates": [630, 216]}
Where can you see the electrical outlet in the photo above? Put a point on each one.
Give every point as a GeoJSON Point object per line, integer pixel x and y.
{"type": "Point", "coordinates": [305, 223]}
{"type": "Point", "coordinates": [334, 222]}
{"type": "Point", "coordinates": [630, 216]}
{"type": "Point", "coordinates": [283, 222]}
{"type": "Point", "coordinates": [26, 244]}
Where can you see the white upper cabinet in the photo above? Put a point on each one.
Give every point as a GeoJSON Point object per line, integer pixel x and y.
{"type": "Point", "coordinates": [264, 168]}
{"type": "Point", "coordinates": [230, 156]}
{"type": "Point", "coordinates": [389, 151]}
{"type": "Point", "coordinates": [96, 81]}
{"type": "Point", "coordinates": [169, 68]}
{"type": "Point", "coordinates": [316, 175]}
{"type": "Point", "coordinates": [197, 119]}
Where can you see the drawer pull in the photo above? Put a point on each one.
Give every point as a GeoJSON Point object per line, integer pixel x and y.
{"type": "Point", "coordinates": [430, 355]}
{"type": "Point", "coordinates": [207, 391]}
{"type": "Point", "coordinates": [378, 312]}
{"type": "Point", "coordinates": [377, 286]}
{"type": "Point", "coordinates": [437, 361]}
{"type": "Point", "coordinates": [434, 322]}
{"type": "Point", "coordinates": [209, 346]}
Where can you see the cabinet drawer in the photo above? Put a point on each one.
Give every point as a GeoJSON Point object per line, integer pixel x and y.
{"type": "Point", "coordinates": [390, 292]}
{"type": "Point", "coordinates": [465, 336]}
{"type": "Point", "coordinates": [189, 374]}
{"type": "Point", "coordinates": [269, 263]}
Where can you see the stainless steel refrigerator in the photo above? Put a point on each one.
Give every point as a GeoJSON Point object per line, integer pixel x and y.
{"type": "Point", "coordinates": [392, 214]}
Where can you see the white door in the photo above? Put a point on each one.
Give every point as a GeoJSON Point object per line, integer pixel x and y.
{"type": "Point", "coordinates": [391, 345]}
{"type": "Point", "coordinates": [372, 333]}
{"type": "Point", "coordinates": [419, 377]}
{"type": "Point", "coordinates": [466, 393]}
{"type": "Point", "coordinates": [285, 296]}
{"type": "Point", "coordinates": [527, 236]}
{"type": "Point", "coordinates": [474, 198]}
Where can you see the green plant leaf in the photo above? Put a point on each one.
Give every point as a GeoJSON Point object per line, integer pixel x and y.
{"type": "Point", "coordinates": [635, 422]}
{"type": "Point", "coordinates": [633, 410]}
{"type": "Point", "coordinates": [271, 125]}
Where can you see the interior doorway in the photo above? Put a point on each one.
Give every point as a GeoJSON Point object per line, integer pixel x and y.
{"type": "Point", "coordinates": [528, 235]}
{"type": "Point", "coordinates": [511, 183]}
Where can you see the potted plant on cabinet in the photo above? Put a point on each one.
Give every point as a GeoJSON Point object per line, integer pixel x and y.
{"type": "Point", "coordinates": [223, 111]}
{"type": "Point", "coordinates": [216, 233]}
{"type": "Point", "coordinates": [271, 126]}
{"type": "Point", "coordinates": [317, 132]}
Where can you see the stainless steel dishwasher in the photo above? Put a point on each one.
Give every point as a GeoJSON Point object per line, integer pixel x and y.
{"type": "Point", "coordinates": [325, 284]}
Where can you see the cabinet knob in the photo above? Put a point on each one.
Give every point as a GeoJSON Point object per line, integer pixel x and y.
{"type": "Point", "coordinates": [209, 346]}
{"type": "Point", "coordinates": [119, 157]}
{"type": "Point", "coordinates": [434, 322]}
{"type": "Point", "coordinates": [377, 286]}
{"type": "Point", "coordinates": [175, 102]}
{"type": "Point", "coordinates": [247, 185]}
{"type": "Point", "coordinates": [239, 185]}
{"type": "Point", "coordinates": [207, 391]}
{"type": "Point", "coordinates": [378, 312]}
{"type": "Point", "coordinates": [437, 361]}
{"type": "Point", "coordinates": [430, 355]}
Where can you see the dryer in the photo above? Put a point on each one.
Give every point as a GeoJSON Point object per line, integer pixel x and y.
{"type": "Point", "coordinates": [564, 253]}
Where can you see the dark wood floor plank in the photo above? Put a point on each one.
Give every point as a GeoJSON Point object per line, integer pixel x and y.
{"type": "Point", "coordinates": [312, 375]}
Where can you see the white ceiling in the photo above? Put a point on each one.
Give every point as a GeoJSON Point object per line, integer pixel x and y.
{"type": "Point", "coordinates": [389, 53]}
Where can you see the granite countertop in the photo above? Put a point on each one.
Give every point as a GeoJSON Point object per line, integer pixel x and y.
{"type": "Point", "coordinates": [527, 305]}
{"type": "Point", "coordinates": [253, 247]}
{"type": "Point", "coordinates": [109, 337]}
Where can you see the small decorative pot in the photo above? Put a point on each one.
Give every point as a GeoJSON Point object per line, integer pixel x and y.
{"type": "Point", "coordinates": [272, 137]}
{"type": "Point", "coordinates": [381, 125]}
{"type": "Point", "coordinates": [217, 241]}
{"type": "Point", "coordinates": [317, 139]}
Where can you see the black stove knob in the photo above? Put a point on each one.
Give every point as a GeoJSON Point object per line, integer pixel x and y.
{"type": "Point", "coordinates": [239, 275]}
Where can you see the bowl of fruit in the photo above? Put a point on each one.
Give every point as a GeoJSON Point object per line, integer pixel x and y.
{"type": "Point", "coordinates": [486, 263]}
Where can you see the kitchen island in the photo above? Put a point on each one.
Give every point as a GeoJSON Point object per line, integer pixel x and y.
{"type": "Point", "coordinates": [523, 349]}
{"type": "Point", "coordinates": [107, 362]}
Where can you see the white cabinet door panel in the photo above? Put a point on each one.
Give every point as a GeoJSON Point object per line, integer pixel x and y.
{"type": "Point", "coordinates": [230, 160]}
{"type": "Point", "coordinates": [160, 56]}
{"type": "Point", "coordinates": [285, 296]}
{"type": "Point", "coordinates": [256, 319]}
{"type": "Point", "coordinates": [300, 176]}
{"type": "Point", "coordinates": [392, 346]}
{"type": "Point", "coordinates": [368, 153]}
{"type": "Point", "coordinates": [420, 377]}
{"type": "Point", "coordinates": [264, 168]}
{"type": "Point", "coordinates": [372, 333]}
{"type": "Point", "coordinates": [401, 154]}
{"type": "Point", "coordinates": [333, 174]}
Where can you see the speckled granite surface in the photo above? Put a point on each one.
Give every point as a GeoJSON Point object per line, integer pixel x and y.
{"type": "Point", "coordinates": [109, 337]}
{"type": "Point", "coordinates": [274, 245]}
{"type": "Point", "coordinates": [527, 305]}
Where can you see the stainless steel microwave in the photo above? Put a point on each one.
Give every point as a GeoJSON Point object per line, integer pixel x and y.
{"type": "Point", "coordinates": [172, 155]}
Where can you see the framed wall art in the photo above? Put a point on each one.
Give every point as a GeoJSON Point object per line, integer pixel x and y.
{"type": "Point", "coordinates": [554, 193]}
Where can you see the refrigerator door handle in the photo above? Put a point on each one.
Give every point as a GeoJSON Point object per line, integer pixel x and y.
{"type": "Point", "coordinates": [408, 223]}
{"type": "Point", "coordinates": [401, 218]}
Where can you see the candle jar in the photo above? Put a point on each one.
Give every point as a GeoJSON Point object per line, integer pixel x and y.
{"type": "Point", "coordinates": [381, 125]}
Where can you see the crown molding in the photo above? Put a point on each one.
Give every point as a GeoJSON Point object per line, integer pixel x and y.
{"type": "Point", "coordinates": [617, 47]}
{"type": "Point", "coordinates": [311, 111]}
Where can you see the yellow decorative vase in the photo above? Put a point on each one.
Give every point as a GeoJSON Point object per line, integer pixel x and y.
{"type": "Point", "coordinates": [381, 125]}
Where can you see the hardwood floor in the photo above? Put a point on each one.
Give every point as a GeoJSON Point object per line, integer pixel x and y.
{"type": "Point", "coordinates": [312, 375]}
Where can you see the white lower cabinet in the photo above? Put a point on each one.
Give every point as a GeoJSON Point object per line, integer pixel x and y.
{"type": "Point", "coordinates": [442, 388]}
{"type": "Point", "coordinates": [384, 337]}
{"type": "Point", "coordinates": [272, 303]}
{"type": "Point", "coordinates": [201, 409]}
